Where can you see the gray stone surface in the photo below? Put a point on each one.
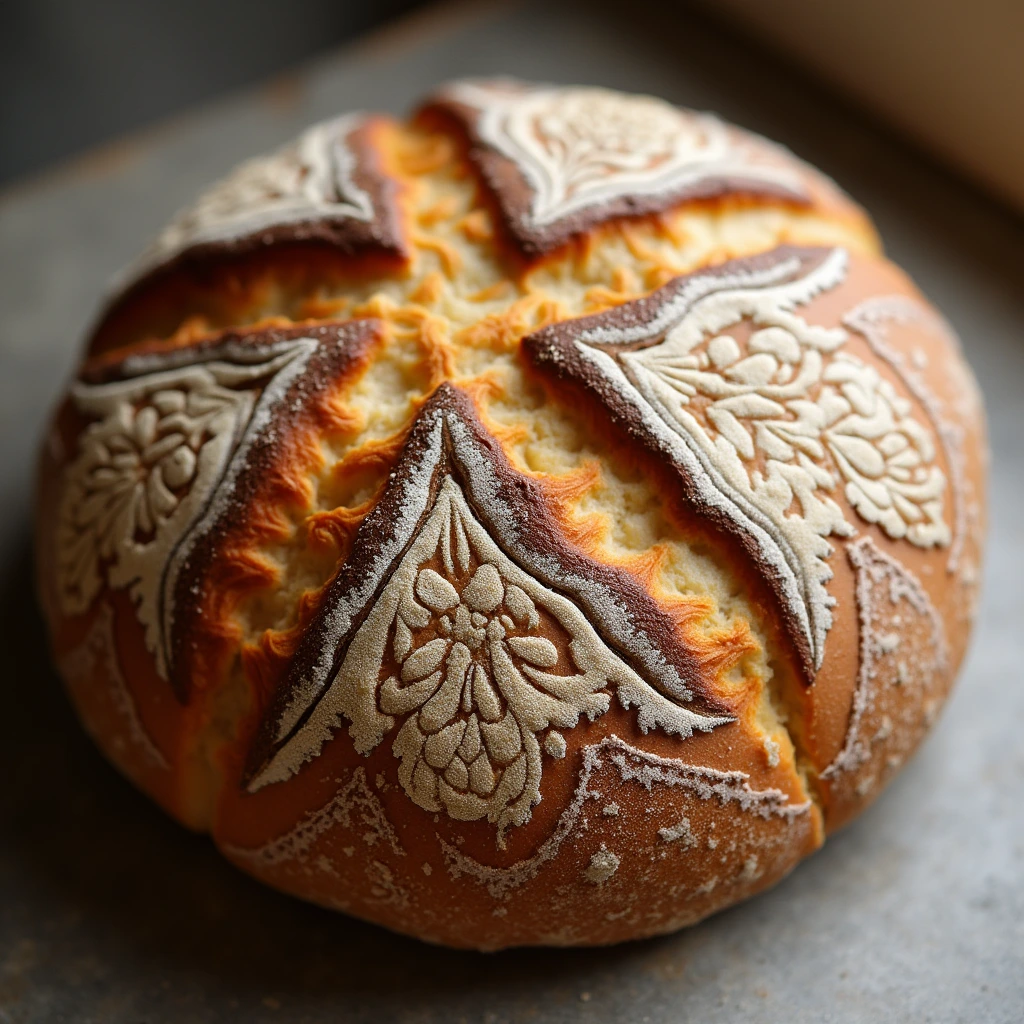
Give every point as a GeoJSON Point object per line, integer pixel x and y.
{"type": "Point", "coordinates": [82, 63]}
{"type": "Point", "coordinates": [111, 913]}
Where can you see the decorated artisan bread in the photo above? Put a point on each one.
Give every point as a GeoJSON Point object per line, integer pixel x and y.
{"type": "Point", "coordinates": [543, 520]}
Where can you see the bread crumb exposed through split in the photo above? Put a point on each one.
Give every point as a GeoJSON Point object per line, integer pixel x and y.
{"type": "Point", "coordinates": [459, 314]}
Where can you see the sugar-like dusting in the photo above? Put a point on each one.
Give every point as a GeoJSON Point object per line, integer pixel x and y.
{"type": "Point", "coordinates": [384, 887]}
{"type": "Point", "coordinates": [680, 833]}
{"type": "Point", "coordinates": [602, 866]}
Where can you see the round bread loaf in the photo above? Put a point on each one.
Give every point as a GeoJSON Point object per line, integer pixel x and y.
{"type": "Point", "coordinates": [540, 521]}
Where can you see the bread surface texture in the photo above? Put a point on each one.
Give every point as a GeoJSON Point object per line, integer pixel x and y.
{"type": "Point", "coordinates": [539, 521]}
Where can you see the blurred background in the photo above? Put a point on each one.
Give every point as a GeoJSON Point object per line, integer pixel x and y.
{"type": "Point", "coordinates": [74, 74]}
{"type": "Point", "coordinates": [77, 73]}
{"type": "Point", "coordinates": [113, 113]}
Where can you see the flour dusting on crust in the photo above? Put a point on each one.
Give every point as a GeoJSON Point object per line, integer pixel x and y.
{"type": "Point", "coordinates": [902, 672]}
{"type": "Point", "coordinates": [325, 186]}
{"type": "Point", "coordinates": [354, 806]}
{"type": "Point", "coordinates": [632, 765]}
{"type": "Point", "coordinates": [175, 444]}
{"type": "Point", "coordinates": [481, 632]}
{"type": "Point", "coordinates": [873, 319]}
{"type": "Point", "coordinates": [95, 663]}
{"type": "Point", "coordinates": [764, 415]}
{"type": "Point", "coordinates": [560, 160]}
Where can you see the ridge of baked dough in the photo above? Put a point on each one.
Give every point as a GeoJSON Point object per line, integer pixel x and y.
{"type": "Point", "coordinates": [458, 313]}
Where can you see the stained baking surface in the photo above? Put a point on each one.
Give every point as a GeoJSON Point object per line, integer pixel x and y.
{"type": "Point", "coordinates": [165, 932]}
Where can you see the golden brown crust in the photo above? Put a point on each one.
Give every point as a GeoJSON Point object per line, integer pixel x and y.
{"type": "Point", "coordinates": [561, 161]}
{"type": "Point", "coordinates": [326, 204]}
{"type": "Point", "coordinates": [629, 840]}
{"type": "Point", "coordinates": [513, 559]}
{"type": "Point", "coordinates": [898, 628]}
{"type": "Point", "coordinates": [177, 465]}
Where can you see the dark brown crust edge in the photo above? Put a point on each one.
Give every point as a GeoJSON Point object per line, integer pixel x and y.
{"type": "Point", "coordinates": [532, 523]}
{"type": "Point", "coordinates": [341, 349]}
{"type": "Point", "coordinates": [552, 352]}
{"type": "Point", "coordinates": [383, 237]}
{"type": "Point", "coordinates": [512, 195]}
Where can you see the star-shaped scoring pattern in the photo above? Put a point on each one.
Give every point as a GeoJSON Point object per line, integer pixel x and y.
{"type": "Point", "coordinates": [463, 628]}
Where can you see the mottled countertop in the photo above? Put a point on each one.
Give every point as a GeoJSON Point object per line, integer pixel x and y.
{"type": "Point", "coordinates": [111, 913]}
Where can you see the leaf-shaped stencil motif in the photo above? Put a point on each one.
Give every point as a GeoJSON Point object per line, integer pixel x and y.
{"type": "Point", "coordinates": [766, 416]}
{"type": "Point", "coordinates": [589, 154]}
{"type": "Point", "coordinates": [170, 445]}
{"type": "Point", "coordinates": [325, 185]}
{"type": "Point", "coordinates": [465, 627]}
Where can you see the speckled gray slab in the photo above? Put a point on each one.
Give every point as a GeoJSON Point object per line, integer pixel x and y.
{"type": "Point", "coordinates": [111, 913]}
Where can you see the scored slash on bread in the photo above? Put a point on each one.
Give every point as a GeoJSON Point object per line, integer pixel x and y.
{"type": "Point", "coordinates": [535, 636]}
{"type": "Point", "coordinates": [178, 444]}
{"type": "Point", "coordinates": [537, 522]}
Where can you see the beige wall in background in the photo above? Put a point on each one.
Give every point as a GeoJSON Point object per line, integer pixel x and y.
{"type": "Point", "coordinates": [950, 73]}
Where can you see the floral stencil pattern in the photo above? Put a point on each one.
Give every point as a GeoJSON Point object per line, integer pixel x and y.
{"type": "Point", "coordinates": [481, 688]}
{"type": "Point", "coordinates": [788, 408]}
{"type": "Point", "coordinates": [580, 147]}
{"type": "Point", "coordinates": [159, 445]}
{"type": "Point", "coordinates": [470, 662]}
{"type": "Point", "coordinates": [309, 179]}
{"type": "Point", "coordinates": [135, 469]}
{"type": "Point", "coordinates": [768, 415]}
{"type": "Point", "coordinates": [489, 660]}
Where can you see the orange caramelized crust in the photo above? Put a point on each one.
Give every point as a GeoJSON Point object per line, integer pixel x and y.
{"type": "Point", "coordinates": [540, 521]}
